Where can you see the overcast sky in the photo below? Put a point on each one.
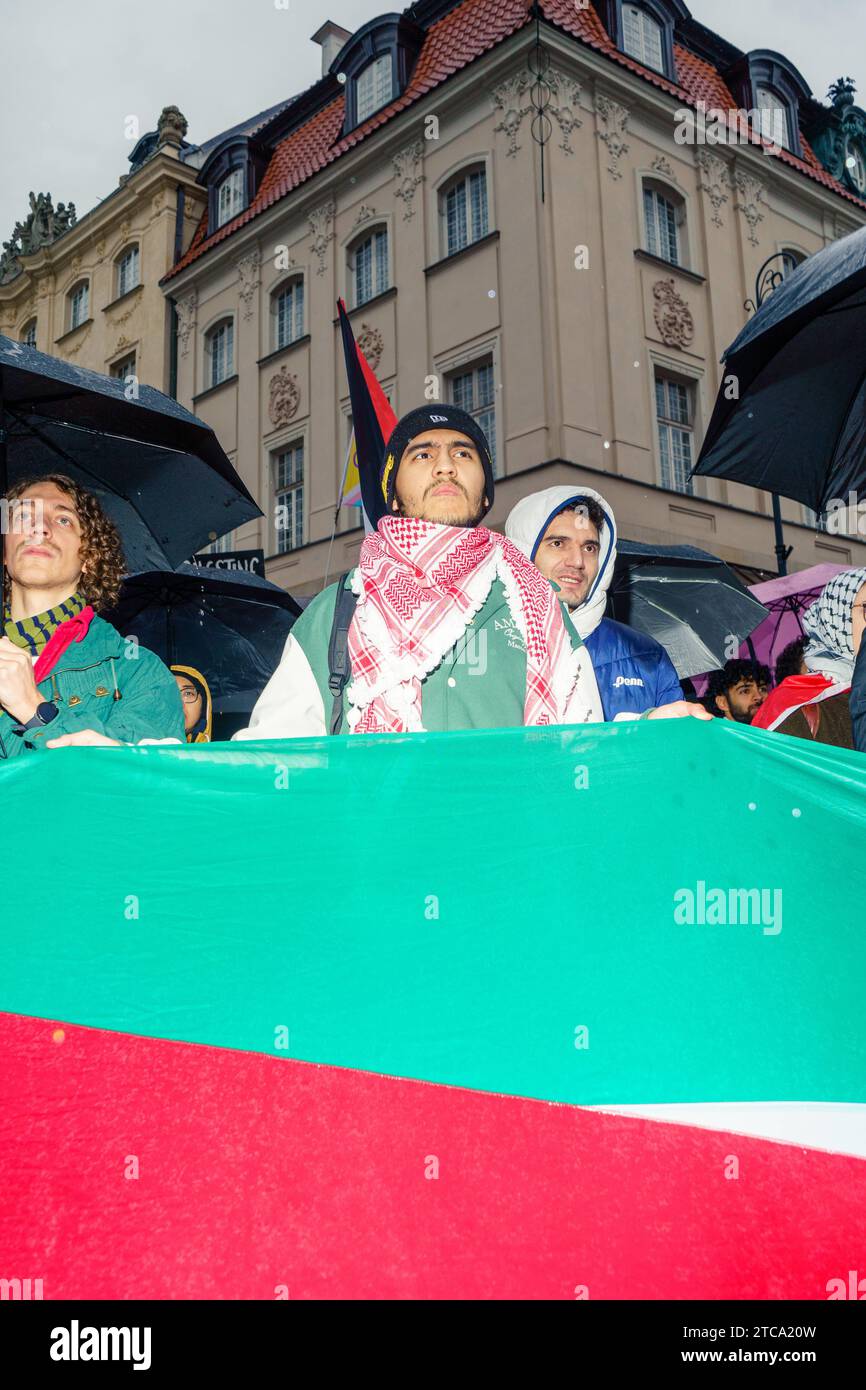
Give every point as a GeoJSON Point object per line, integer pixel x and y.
{"type": "Point", "coordinates": [71, 74]}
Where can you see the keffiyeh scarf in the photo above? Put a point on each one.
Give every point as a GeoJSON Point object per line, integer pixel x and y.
{"type": "Point", "coordinates": [418, 584]}
{"type": "Point", "coordinates": [828, 626]}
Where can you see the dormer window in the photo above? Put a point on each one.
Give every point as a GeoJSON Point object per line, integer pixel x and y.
{"type": "Point", "coordinates": [774, 117]}
{"type": "Point", "coordinates": [374, 87]}
{"type": "Point", "coordinates": [642, 37]}
{"type": "Point", "coordinates": [230, 197]}
{"type": "Point", "coordinates": [855, 163]}
{"type": "Point", "coordinates": [771, 89]}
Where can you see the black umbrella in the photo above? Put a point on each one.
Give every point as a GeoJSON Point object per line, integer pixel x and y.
{"type": "Point", "coordinates": [685, 598]}
{"type": "Point", "coordinates": [230, 625]}
{"type": "Point", "coordinates": [797, 372]}
{"type": "Point", "coordinates": [159, 472]}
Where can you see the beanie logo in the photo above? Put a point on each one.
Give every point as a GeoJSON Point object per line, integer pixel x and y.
{"type": "Point", "coordinates": [443, 419]}
{"type": "Point", "coordinates": [389, 464]}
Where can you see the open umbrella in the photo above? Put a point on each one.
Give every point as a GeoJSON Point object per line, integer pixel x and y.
{"type": "Point", "coordinates": [687, 599]}
{"type": "Point", "coordinates": [230, 625]}
{"type": "Point", "coordinates": [786, 598]}
{"type": "Point", "coordinates": [791, 412]}
{"type": "Point", "coordinates": [160, 473]}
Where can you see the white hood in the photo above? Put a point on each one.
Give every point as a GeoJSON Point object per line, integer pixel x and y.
{"type": "Point", "coordinates": [527, 523]}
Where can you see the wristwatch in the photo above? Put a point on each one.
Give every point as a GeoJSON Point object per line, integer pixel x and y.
{"type": "Point", "coordinates": [45, 712]}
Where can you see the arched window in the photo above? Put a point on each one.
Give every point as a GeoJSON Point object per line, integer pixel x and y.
{"type": "Point", "coordinates": [78, 301]}
{"type": "Point", "coordinates": [230, 197]}
{"type": "Point", "coordinates": [220, 353]}
{"type": "Point", "coordinates": [28, 333]}
{"type": "Point", "coordinates": [126, 276]}
{"type": "Point", "coordinates": [664, 213]}
{"type": "Point", "coordinates": [855, 163]}
{"type": "Point", "coordinates": [287, 313]}
{"type": "Point", "coordinates": [642, 37]}
{"type": "Point", "coordinates": [368, 265]}
{"type": "Point", "coordinates": [774, 125]}
{"type": "Point", "coordinates": [373, 86]}
{"type": "Point", "coordinates": [463, 209]}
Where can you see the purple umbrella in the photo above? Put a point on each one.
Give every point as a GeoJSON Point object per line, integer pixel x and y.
{"type": "Point", "coordinates": [786, 597]}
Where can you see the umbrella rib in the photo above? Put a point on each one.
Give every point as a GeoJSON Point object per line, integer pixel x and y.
{"type": "Point", "coordinates": [102, 434]}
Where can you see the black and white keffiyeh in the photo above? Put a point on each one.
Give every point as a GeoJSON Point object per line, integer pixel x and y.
{"type": "Point", "coordinates": [829, 627]}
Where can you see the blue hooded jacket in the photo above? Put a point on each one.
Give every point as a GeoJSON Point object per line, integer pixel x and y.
{"type": "Point", "coordinates": [633, 671]}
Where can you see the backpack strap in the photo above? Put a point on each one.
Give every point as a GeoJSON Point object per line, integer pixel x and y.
{"type": "Point", "coordinates": [339, 666]}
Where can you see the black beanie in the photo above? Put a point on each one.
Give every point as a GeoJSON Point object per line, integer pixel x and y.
{"type": "Point", "coordinates": [434, 416]}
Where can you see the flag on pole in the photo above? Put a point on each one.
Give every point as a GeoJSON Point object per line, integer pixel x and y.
{"type": "Point", "coordinates": [373, 420]}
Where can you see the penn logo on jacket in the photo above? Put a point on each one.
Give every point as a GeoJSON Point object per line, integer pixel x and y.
{"type": "Point", "coordinates": [76, 1343]}
{"type": "Point", "coordinates": [628, 680]}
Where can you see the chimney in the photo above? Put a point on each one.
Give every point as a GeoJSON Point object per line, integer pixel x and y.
{"type": "Point", "coordinates": [332, 37]}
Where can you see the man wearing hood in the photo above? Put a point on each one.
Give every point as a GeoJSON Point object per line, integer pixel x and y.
{"type": "Point", "coordinates": [443, 625]}
{"type": "Point", "coordinates": [571, 536]}
{"type": "Point", "coordinates": [821, 704]}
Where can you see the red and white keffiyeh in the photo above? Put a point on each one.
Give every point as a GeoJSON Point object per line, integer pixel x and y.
{"type": "Point", "coordinates": [418, 585]}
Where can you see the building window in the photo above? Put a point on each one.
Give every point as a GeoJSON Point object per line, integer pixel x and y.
{"type": "Point", "coordinates": [28, 334]}
{"type": "Point", "coordinates": [121, 371]}
{"type": "Point", "coordinates": [230, 197]}
{"type": "Point", "coordinates": [288, 471]}
{"type": "Point", "coordinates": [464, 210]}
{"type": "Point", "coordinates": [642, 37]}
{"type": "Point", "coordinates": [675, 415]}
{"type": "Point", "coordinates": [373, 87]}
{"type": "Point", "coordinates": [855, 163]}
{"type": "Point", "coordinates": [369, 265]}
{"type": "Point", "coordinates": [127, 271]}
{"type": "Point", "coordinates": [664, 214]}
{"type": "Point", "coordinates": [472, 389]}
{"type": "Point", "coordinates": [219, 547]}
{"type": "Point", "coordinates": [774, 126]}
{"type": "Point", "coordinates": [220, 353]}
{"type": "Point", "coordinates": [287, 305]}
{"type": "Point", "coordinates": [78, 304]}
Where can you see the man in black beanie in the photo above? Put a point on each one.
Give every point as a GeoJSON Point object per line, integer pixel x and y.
{"type": "Point", "coordinates": [443, 625]}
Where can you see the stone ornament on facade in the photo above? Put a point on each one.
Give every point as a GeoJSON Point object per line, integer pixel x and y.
{"type": "Point", "coordinates": [508, 98]}
{"type": "Point", "coordinates": [43, 225]}
{"type": "Point", "coordinates": [372, 344]}
{"type": "Point", "coordinates": [74, 350]}
{"type": "Point", "coordinates": [751, 191]}
{"type": "Point", "coordinates": [672, 315]}
{"type": "Point", "coordinates": [322, 231]}
{"type": "Point", "coordinates": [285, 397]}
{"type": "Point", "coordinates": [248, 274]}
{"type": "Point", "coordinates": [408, 176]}
{"type": "Point", "coordinates": [614, 119]}
{"type": "Point", "coordinates": [714, 180]}
{"type": "Point", "coordinates": [186, 315]}
{"type": "Point", "coordinates": [364, 215]}
{"type": "Point", "coordinates": [661, 166]}
{"type": "Point", "coordinates": [564, 105]}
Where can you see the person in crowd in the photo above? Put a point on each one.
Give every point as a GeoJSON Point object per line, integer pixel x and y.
{"type": "Point", "coordinates": [571, 537]}
{"type": "Point", "coordinates": [817, 705]}
{"type": "Point", "coordinates": [790, 661]}
{"type": "Point", "coordinates": [197, 704]}
{"type": "Point", "coordinates": [66, 675]}
{"type": "Point", "coordinates": [858, 700]}
{"type": "Point", "coordinates": [738, 690]}
{"type": "Point", "coordinates": [444, 624]}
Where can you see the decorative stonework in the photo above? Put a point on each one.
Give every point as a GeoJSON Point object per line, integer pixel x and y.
{"type": "Point", "coordinates": [715, 181]}
{"type": "Point", "coordinates": [75, 267]}
{"type": "Point", "coordinates": [564, 105]}
{"type": "Point", "coordinates": [248, 274]}
{"type": "Point", "coordinates": [285, 397]}
{"type": "Point", "coordinates": [750, 190]}
{"type": "Point", "coordinates": [171, 128]}
{"type": "Point", "coordinates": [364, 215]}
{"type": "Point", "coordinates": [408, 176]}
{"type": "Point", "coordinates": [125, 230]}
{"type": "Point", "coordinates": [614, 119]}
{"type": "Point", "coordinates": [73, 351]}
{"type": "Point", "coordinates": [100, 248]}
{"type": "Point", "coordinates": [186, 316]}
{"type": "Point", "coordinates": [508, 98]}
{"type": "Point", "coordinates": [672, 315]}
{"type": "Point", "coordinates": [122, 342]}
{"type": "Point", "coordinates": [661, 166]}
{"type": "Point", "coordinates": [322, 231]}
{"type": "Point", "coordinates": [372, 344]}
{"type": "Point", "coordinates": [115, 320]}
{"type": "Point", "coordinates": [42, 226]}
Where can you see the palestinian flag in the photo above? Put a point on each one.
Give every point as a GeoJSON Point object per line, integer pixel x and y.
{"type": "Point", "coordinates": [593, 1029]}
{"type": "Point", "coordinates": [372, 423]}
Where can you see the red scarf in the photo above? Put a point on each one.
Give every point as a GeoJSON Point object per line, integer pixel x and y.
{"type": "Point", "coordinates": [419, 584]}
{"type": "Point", "coordinates": [73, 630]}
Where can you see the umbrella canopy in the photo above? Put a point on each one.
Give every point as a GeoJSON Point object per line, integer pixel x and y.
{"type": "Point", "coordinates": [230, 625]}
{"type": "Point", "coordinates": [159, 472]}
{"type": "Point", "coordinates": [786, 599]}
{"type": "Point", "coordinates": [685, 598]}
{"type": "Point", "coordinates": [798, 426]}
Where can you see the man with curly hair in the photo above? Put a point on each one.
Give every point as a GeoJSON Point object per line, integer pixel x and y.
{"type": "Point", "coordinates": [67, 676]}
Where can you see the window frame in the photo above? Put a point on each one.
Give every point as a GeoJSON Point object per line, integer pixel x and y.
{"type": "Point", "coordinates": [275, 453]}
{"type": "Point", "coordinates": [221, 322]}
{"type": "Point", "coordinates": [463, 178]}
{"type": "Point", "coordinates": [132, 249]}
{"type": "Point", "coordinates": [353, 247]}
{"type": "Point", "coordinates": [380, 62]}
{"type": "Point", "coordinates": [31, 323]}
{"type": "Point", "coordinates": [662, 374]}
{"type": "Point", "coordinates": [72, 321]}
{"type": "Point", "coordinates": [293, 279]}
{"type": "Point", "coordinates": [646, 18]}
{"type": "Point", "coordinates": [472, 367]}
{"type": "Point", "coordinates": [237, 177]}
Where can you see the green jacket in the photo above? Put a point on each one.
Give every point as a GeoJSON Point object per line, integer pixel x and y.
{"type": "Point", "coordinates": [83, 684]}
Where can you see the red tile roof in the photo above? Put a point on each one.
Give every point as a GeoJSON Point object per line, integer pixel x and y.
{"type": "Point", "coordinates": [458, 39]}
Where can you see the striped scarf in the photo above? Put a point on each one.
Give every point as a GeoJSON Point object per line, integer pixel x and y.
{"type": "Point", "coordinates": [34, 633]}
{"type": "Point", "coordinates": [419, 584]}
